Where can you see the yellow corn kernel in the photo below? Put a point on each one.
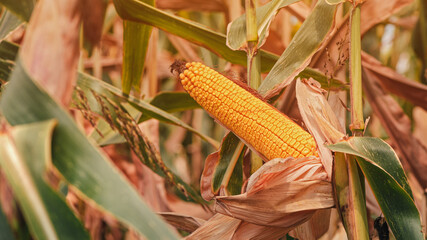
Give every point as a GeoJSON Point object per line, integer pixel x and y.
{"type": "Point", "coordinates": [264, 128]}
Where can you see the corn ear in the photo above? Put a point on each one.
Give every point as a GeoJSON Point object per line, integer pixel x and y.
{"type": "Point", "coordinates": [258, 124]}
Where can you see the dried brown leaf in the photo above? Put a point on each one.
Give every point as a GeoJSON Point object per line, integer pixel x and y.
{"type": "Point", "coordinates": [282, 193]}
{"type": "Point", "coordinates": [319, 119]}
{"type": "Point", "coordinates": [218, 227]}
{"type": "Point", "coordinates": [182, 222]}
{"type": "Point", "coordinates": [225, 227]}
{"type": "Point", "coordinates": [376, 11]}
{"type": "Point", "coordinates": [336, 230]}
{"type": "Point", "coordinates": [420, 126]}
{"type": "Point", "coordinates": [300, 10]}
{"type": "Point", "coordinates": [93, 13]}
{"type": "Point", "coordinates": [397, 125]}
{"type": "Point", "coordinates": [50, 49]}
{"type": "Point", "coordinates": [273, 43]}
{"type": "Point", "coordinates": [395, 83]}
{"type": "Point", "coordinates": [207, 176]}
{"type": "Point", "coordinates": [256, 232]}
{"type": "Point", "coordinates": [315, 227]}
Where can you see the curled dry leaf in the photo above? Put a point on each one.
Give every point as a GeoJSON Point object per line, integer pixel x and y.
{"type": "Point", "coordinates": [282, 193]}
{"type": "Point", "coordinates": [420, 126]}
{"type": "Point", "coordinates": [207, 175]}
{"type": "Point", "coordinates": [257, 232]}
{"type": "Point", "coordinates": [315, 227]}
{"type": "Point", "coordinates": [395, 83]}
{"type": "Point", "coordinates": [182, 222]}
{"type": "Point", "coordinates": [319, 119]}
{"type": "Point", "coordinates": [218, 227]}
{"type": "Point", "coordinates": [50, 49]}
{"type": "Point", "coordinates": [232, 228]}
{"type": "Point", "coordinates": [300, 10]}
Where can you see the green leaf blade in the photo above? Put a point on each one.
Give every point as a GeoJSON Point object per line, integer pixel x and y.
{"type": "Point", "coordinates": [135, 44]}
{"type": "Point", "coordinates": [302, 47]}
{"type": "Point", "coordinates": [398, 207]}
{"type": "Point", "coordinates": [388, 181]}
{"type": "Point", "coordinates": [87, 169]}
{"type": "Point", "coordinates": [236, 33]}
{"type": "Point", "coordinates": [379, 152]}
{"type": "Point", "coordinates": [45, 211]}
{"type": "Point", "coordinates": [22, 8]}
{"type": "Point", "coordinates": [5, 229]}
{"type": "Point", "coordinates": [229, 167]}
{"type": "Point", "coordinates": [36, 152]}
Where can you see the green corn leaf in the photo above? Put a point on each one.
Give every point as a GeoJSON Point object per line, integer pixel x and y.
{"type": "Point", "coordinates": [135, 44]}
{"type": "Point", "coordinates": [21, 8]}
{"type": "Point", "coordinates": [302, 47]}
{"type": "Point", "coordinates": [229, 169]}
{"type": "Point", "coordinates": [87, 169]}
{"type": "Point", "coordinates": [385, 175]}
{"type": "Point", "coordinates": [45, 210]}
{"type": "Point", "coordinates": [236, 32]}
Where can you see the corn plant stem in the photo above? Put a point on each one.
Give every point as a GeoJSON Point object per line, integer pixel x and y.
{"type": "Point", "coordinates": [357, 123]}
{"type": "Point", "coordinates": [251, 25]}
{"type": "Point", "coordinates": [253, 60]}
{"type": "Point", "coordinates": [359, 225]}
{"type": "Point", "coordinates": [254, 63]}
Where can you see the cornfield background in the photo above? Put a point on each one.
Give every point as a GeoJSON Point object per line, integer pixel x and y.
{"type": "Point", "coordinates": [99, 140]}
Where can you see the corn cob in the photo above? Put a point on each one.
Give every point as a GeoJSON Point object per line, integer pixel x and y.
{"type": "Point", "coordinates": [258, 124]}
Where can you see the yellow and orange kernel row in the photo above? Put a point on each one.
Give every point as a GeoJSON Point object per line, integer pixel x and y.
{"type": "Point", "coordinates": [259, 124]}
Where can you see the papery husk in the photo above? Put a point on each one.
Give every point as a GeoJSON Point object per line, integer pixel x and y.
{"type": "Point", "coordinates": [228, 228]}
{"type": "Point", "coordinates": [182, 222]}
{"type": "Point", "coordinates": [315, 227]}
{"type": "Point", "coordinates": [256, 232]}
{"type": "Point", "coordinates": [319, 119]}
{"type": "Point", "coordinates": [218, 227]}
{"type": "Point", "coordinates": [336, 231]}
{"type": "Point", "coordinates": [282, 193]}
{"type": "Point", "coordinates": [207, 176]}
